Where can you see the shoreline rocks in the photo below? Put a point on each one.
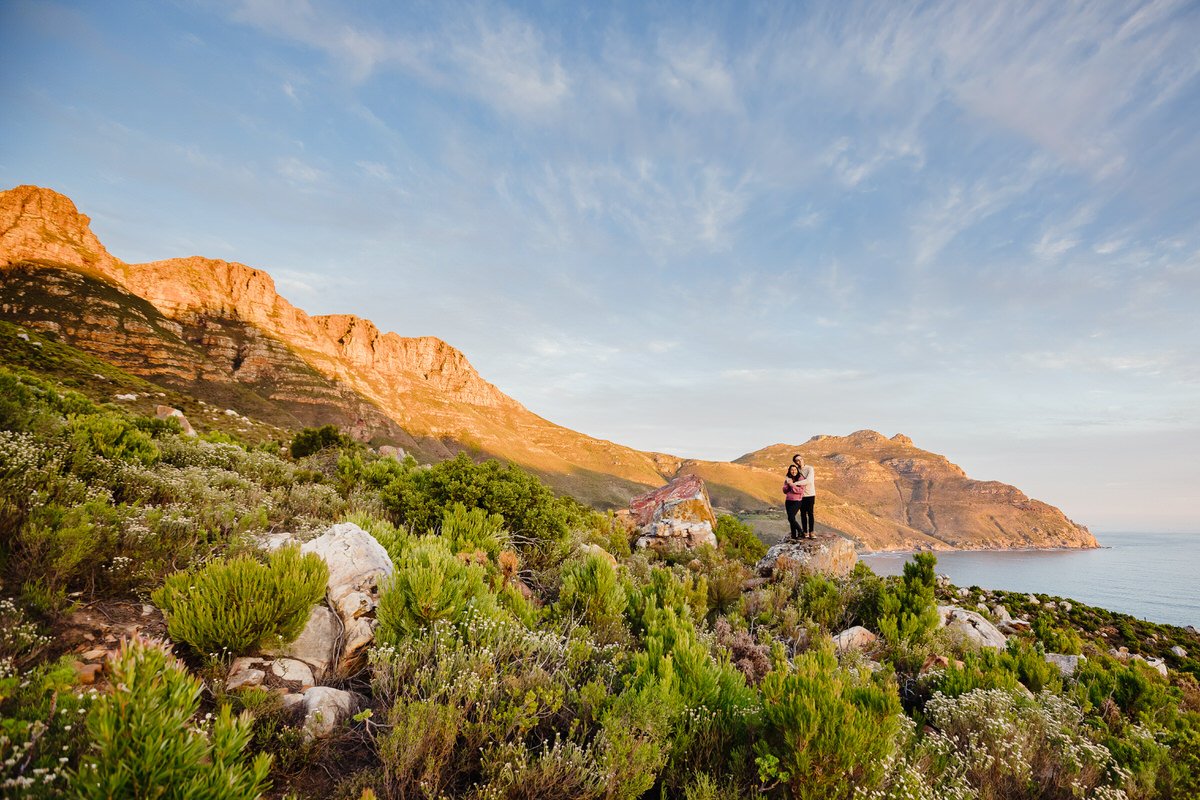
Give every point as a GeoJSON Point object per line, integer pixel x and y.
{"type": "Point", "coordinates": [828, 554]}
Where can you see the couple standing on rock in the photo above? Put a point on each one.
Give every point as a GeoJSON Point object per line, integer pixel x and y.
{"type": "Point", "coordinates": [800, 496]}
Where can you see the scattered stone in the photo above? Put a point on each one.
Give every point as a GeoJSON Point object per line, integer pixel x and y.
{"type": "Point", "coordinates": [983, 609]}
{"type": "Point", "coordinates": [292, 671]}
{"type": "Point", "coordinates": [964, 592]}
{"type": "Point", "coordinates": [598, 551]}
{"type": "Point", "coordinates": [166, 412]}
{"type": "Point", "coordinates": [317, 644]}
{"type": "Point", "coordinates": [95, 654]}
{"type": "Point", "coordinates": [229, 412]}
{"type": "Point", "coordinates": [1012, 626]}
{"type": "Point", "coordinates": [1178, 652]}
{"type": "Point", "coordinates": [325, 709]}
{"type": "Point", "coordinates": [971, 627]}
{"type": "Point", "coordinates": [1001, 614]}
{"type": "Point", "coordinates": [1050, 604]}
{"type": "Point", "coordinates": [856, 638]}
{"type": "Point", "coordinates": [390, 451]}
{"type": "Point", "coordinates": [126, 398]}
{"type": "Point", "coordinates": [243, 673]}
{"type": "Point", "coordinates": [147, 609]}
{"type": "Point", "coordinates": [23, 337]}
{"type": "Point", "coordinates": [86, 673]}
{"type": "Point", "coordinates": [1033, 601]}
{"type": "Point", "coordinates": [829, 554]}
{"type": "Point", "coordinates": [943, 580]}
{"type": "Point", "coordinates": [1066, 664]}
{"type": "Point", "coordinates": [1156, 664]}
{"type": "Point", "coordinates": [678, 515]}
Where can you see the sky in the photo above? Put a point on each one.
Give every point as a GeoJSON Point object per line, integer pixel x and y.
{"type": "Point", "coordinates": [698, 229]}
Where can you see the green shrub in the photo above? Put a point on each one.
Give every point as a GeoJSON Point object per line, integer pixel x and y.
{"type": "Point", "coordinates": [313, 440]}
{"type": "Point", "coordinates": [821, 601]}
{"type": "Point", "coordinates": [233, 605]}
{"type": "Point", "coordinates": [430, 584]}
{"type": "Point", "coordinates": [109, 437]}
{"type": "Point", "coordinates": [537, 519]}
{"type": "Point", "coordinates": [592, 592]}
{"type": "Point", "coordinates": [474, 530]}
{"type": "Point", "coordinates": [738, 540]}
{"type": "Point", "coordinates": [1054, 638]}
{"type": "Point", "coordinates": [146, 742]}
{"type": "Point", "coordinates": [825, 733]}
{"type": "Point", "coordinates": [907, 610]}
{"type": "Point", "coordinates": [41, 728]}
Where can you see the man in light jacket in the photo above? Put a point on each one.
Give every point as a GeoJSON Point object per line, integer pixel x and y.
{"type": "Point", "coordinates": [808, 479]}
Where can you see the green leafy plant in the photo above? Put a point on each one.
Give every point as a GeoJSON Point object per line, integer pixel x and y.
{"type": "Point", "coordinates": [232, 605]}
{"type": "Point", "coordinates": [430, 584]}
{"type": "Point", "coordinates": [825, 733]}
{"type": "Point", "coordinates": [592, 592]}
{"type": "Point", "coordinates": [313, 440]}
{"type": "Point", "coordinates": [738, 540]}
{"type": "Point", "coordinates": [146, 741]}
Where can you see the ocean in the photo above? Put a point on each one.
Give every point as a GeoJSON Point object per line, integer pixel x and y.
{"type": "Point", "coordinates": [1153, 576]}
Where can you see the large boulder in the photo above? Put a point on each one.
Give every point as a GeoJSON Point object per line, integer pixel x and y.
{"type": "Point", "coordinates": [326, 709]}
{"type": "Point", "coordinates": [317, 645]}
{"type": "Point", "coordinates": [676, 516]}
{"type": "Point", "coordinates": [358, 566]}
{"type": "Point", "coordinates": [971, 628]}
{"type": "Point", "coordinates": [828, 554]}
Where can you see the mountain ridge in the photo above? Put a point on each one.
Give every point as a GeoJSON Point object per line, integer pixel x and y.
{"type": "Point", "coordinates": [422, 393]}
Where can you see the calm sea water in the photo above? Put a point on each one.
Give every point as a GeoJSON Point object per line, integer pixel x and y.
{"type": "Point", "coordinates": [1153, 576]}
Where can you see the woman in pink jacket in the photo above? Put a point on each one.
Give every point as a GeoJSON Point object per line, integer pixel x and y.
{"type": "Point", "coordinates": [793, 493]}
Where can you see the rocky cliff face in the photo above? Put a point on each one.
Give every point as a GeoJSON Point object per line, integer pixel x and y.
{"type": "Point", "coordinates": [220, 331]}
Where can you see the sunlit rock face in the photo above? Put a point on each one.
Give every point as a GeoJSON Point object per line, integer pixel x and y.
{"type": "Point", "coordinates": [679, 515]}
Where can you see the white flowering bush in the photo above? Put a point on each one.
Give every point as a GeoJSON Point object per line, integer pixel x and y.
{"type": "Point", "coordinates": [1014, 746]}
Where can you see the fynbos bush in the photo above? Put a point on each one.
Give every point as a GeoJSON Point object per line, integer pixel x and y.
{"type": "Point", "coordinates": [146, 741]}
{"type": "Point", "coordinates": [232, 605]}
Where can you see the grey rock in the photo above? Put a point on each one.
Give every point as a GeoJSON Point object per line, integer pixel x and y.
{"type": "Point", "coordinates": [971, 628]}
{"type": "Point", "coordinates": [1033, 601]}
{"type": "Point", "coordinates": [1178, 652]}
{"type": "Point", "coordinates": [243, 673]}
{"type": "Point", "coordinates": [317, 644]}
{"type": "Point", "coordinates": [293, 671]}
{"type": "Point", "coordinates": [1001, 613]}
{"type": "Point", "coordinates": [829, 555]}
{"type": "Point", "coordinates": [357, 562]}
{"type": "Point", "coordinates": [1066, 664]}
{"type": "Point", "coordinates": [326, 709]}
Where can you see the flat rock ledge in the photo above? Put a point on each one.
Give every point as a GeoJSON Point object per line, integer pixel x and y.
{"type": "Point", "coordinates": [828, 554]}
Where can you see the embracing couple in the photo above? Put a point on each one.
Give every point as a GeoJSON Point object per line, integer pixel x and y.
{"type": "Point", "coordinates": [800, 495]}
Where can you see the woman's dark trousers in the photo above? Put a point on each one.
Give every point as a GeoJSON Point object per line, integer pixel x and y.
{"type": "Point", "coordinates": [793, 506]}
{"type": "Point", "coordinates": [806, 514]}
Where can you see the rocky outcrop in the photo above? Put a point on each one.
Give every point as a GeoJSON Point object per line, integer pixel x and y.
{"type": "Point", "coordinates": [827, 554]}
{"type": "Point", "coordinates": [679, 515]}
{"type": "Point", "coordinates": [856, 638]}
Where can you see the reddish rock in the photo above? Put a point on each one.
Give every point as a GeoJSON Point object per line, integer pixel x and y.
{"type": "Point", "coordinates": [86, 673]}
{"type": "Point", "coordinates": [676, 515]}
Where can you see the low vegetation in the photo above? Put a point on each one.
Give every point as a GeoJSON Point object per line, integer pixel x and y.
{"type": "Point", "coordinates": [524, 650]}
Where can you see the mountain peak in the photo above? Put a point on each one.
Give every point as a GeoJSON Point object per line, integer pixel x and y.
{"type": "Point", "coordinates": [41, 224]}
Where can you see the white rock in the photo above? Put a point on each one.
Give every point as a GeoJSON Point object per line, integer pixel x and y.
{"type": "Point", "coordinates": [360, 634]}
{"type": "Point", "coordinates": [856, 638]}
{"type": "Point", "coordinates": [1050, 604]}
{"type": "Point", "coordinates": [317, 644]}
{"type": "Point", "coordinates": [1033, 601]}
{"type": "Point", "coordinates": [1066, 664]}
{"type": "Point", "coordinates": [1178, 652]}
{"type": "Point", "coordinates": [1001, 613]}
{"type": "Point", "coordinates": [271, 542]}
{"type": "Point", "coordinates": [829, 555]}
{"type": "Point", "coordinates": [229, 412]}
{"type": "Point", "coordinates": [971, 627]}
{"type": "Point", "coordinates": [964, 592]}
{"type": "Point", "coordinates": [23, 337]}
{"type": "Point", "coordinates": [325, 709]}
{"type": "Point", "coordinates": [982, 607]}
{"type": "Point", "coordinates": [127, 397]}
{"type": "Point", "coordinates": [293, 671]}
{"type": "Point", "coordinates": [599, 552]}
{"type": "Point", "coordinates": [1065, 606]}
{"type": "Point", "coordinates": [1011, 626]}
{"type": "Point", "coordinates": [1156, 664]}
{"type": "Point", "coordinates": [357, 562]}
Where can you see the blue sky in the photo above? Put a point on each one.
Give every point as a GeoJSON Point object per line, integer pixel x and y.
{"type": "Point", "coordinates": [697, 229]}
